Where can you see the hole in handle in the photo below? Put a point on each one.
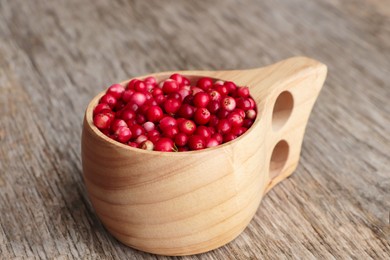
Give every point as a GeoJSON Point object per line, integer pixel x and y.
{"type": "Point", "coordinates": [278, 158]}
{"type": "Point", "coordinates": [282, 110]}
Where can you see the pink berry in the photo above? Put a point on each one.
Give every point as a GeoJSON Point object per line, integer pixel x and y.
{"type": "Point", "coordinates": [116, 90]}
{"type": "Point", "coordinates": [212, 142]}
{"type": "Point", "coordinates": [215, 95]}
{"type": "Point", "coordinates": [250, 114]}
{"type": "Point", "coordinates": [147, 145]}
{"type": "Point", "coordinates": [228, 103]}
{"type": "Point", "coordinates": [140, 139]}
{"type": "Point", "coordinates": [218, 137]}
{"type": "Point", "coordinates": [149, 126]}
{"type": "Point", "coordinates": [123, 134]}
{"type": "Point", "coordinates": [164, 145]}
{"type": "Point", "coordinates": [117, 123]}
{"type": "Point", "coordinates": [102, 121]}
{"type": "Point", "coordinates": [202, 116]}
{"type": "Point", "coordinates": [151, 80]}
{"type": "Point", "coordinates": [138, 98]}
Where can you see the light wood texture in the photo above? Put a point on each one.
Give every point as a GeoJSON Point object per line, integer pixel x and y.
{"type": "Point", "coordinates": [56, 55]}
{"type": "Point", "coordinates": [193, 202]}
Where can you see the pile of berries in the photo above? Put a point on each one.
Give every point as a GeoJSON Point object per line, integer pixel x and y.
{"type": "Point", "coordinates": [175, 115]}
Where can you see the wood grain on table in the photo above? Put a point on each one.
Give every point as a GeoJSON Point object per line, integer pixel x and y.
{"type": "Point", "coordinates": [56, 55]}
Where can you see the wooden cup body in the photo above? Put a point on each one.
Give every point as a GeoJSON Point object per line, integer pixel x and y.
{"type": "Point", "coordinates": [192, 202]}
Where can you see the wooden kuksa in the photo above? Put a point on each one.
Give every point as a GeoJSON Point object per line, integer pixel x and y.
{"type": "Point", "coordinates": [191, 202]}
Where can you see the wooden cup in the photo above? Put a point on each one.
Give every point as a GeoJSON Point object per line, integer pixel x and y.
{"type": "Point", "coordinates": [191, 202]}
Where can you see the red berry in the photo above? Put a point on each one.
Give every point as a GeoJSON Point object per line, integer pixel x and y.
{"type": "Point", "coordinates": [131, 83]}
{"type": "Point", "coordinates": [243, 103]}
{"type": "Point", "coordinates": [172, 105]}
{"type": "Point", "coordinates": [151, 80]}
{"type": "Point", "coordinates": [228, 103]}
{"type": "Point", "coordinates": [140, 86]}
{"type": "Point", "coordinates": [127, 115]}
{"type": "Point", "coordinates": [157, 91]}
{"type": "Point", "coordinates": [123, 134]}
{"type": "Point", "coordinates": [133, 144]}
{"type": "Point", "coordinates": [202, 116]}
{"type": "Point", "coordinates": [164, 145]}
{"type": "Point", "coordinates": [218, 137]}
{"type": "Point", "coordinates": [170, 86]}
{"type": "Point", "coordinates": [230, 86]}
{"type": "Point", "coordinates": [222, 113]}
{"type": "Point", "coordinates": [223, 126]}
{"type": "Point", "coordinates": [117, 123]}
{"type": "Point", "coordinates": [242, 92]}
{"type": "Point", "coordinates": [140, 139]}
{"type": "Point", "coordinates": [235, 119]}
{"type": "Point", "coordinates": [127, 94]}
{"type": "Point", "coordinates": [228, 137]}
{"type": "Point", "coordinates": [177, 77]}
{"type": "Point", "coordinates": [116, 90]}
{"type": "Point", "coordinates": [109, 100]}
{"type": "Point", "coordinates": [181, 139]}
{"type": "Point", "coordinates": [222, 90]}
{"type": "Point", "coordinates": [187, 127]}
{"type": "Point", "coordinates": [137, 130]}
{"type": "Point", "coordinates": [167, 122]}
{"type": "Point", "coordinates": [183, 149]}
{"type": "Point", "coordinates": [215, 95]}
{"type": "Point", "coordinates": [237, 131]}
{"type": "Point", "coordinates": [186, 111]}
{"type": "Point", "coordinates": [160, 99]}
{"type": "Point", "coordinates": [100, 108]}
{"type": "Point", "coordinates": [138, 98]}
{"type": "Point", "coordinates": [196, 142]}
{"type": "Point", "coordinates": [154, 114]}
{"type": "Point", "coordinates": [213, 121]}
{"type": "Point", "coordinates": [247, 123]}
{"type": "Point", "coordinates": [203, 131]}
{"type": "Point", "coordinates": [196, 90]}
{"type": "Point", "coordinates": [213, 106]}
{"type": "Point", "coordinates": [212, 142]}
{"type": "Point", "coordinates": [204, 83]}
{"type": "Point", "coordinates": [201, 99]}
{"type": "Point", "coordinates": [102, 121]}
{"type": "Point", "coordinates": [171, 132]}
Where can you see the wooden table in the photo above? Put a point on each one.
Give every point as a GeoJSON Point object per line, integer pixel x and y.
{"type": "Point", "coordinates": [55, 56]}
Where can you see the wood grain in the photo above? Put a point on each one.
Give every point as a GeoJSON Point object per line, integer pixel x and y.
{"type": "Point", "coordinates": [55, 56]}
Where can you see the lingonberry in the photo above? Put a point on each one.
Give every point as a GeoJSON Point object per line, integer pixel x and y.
{"type": "Point", "coordinates": [204, 83]}
{"type": "Point", "coordinates": [147, 145]}
{"type": "Point", "coordinates": [243, 92]}
{"type": "Point", "coordinates": [186, 111]}
{"type": "Point", "coordinates": [102, 121]}
{"type": "Point", "coordinates": [164, 145]}
{"type": "Point", "coordinates": [202, 116]}
{"type": "Point", "coordinates": [108, 99]}
{"type": "Point", "coordinates": [123, 134]}
{"type": "Point", "coordinates": [173, 115]}
{"type": "Point", "coordinates": [116, 90]}
{"type": "Point", "coordinates": [167, 122]}
{"type": "Point", "coordinates": [187, 127]}
{"type": "Point", "coordinates": [172, 105]}
{"type": "Point", "coordinates": [228, 103]}
{"type": "Point", "coordinates": [201, 99]}
{"type": "Point", "coordinates": [196, 142]}
{"type": "Point", "coordinates": [154, 114]}
{"type": "Point", "coordinates": [181, 139]}
{"type": "Point", "coordinates": [170, 86]}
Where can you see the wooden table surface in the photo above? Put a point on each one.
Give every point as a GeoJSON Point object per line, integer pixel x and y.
{"type": "Point", "coordinates": [56, 55]}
